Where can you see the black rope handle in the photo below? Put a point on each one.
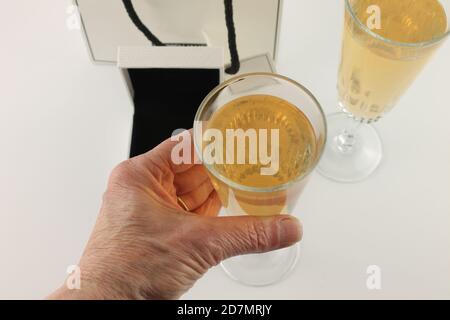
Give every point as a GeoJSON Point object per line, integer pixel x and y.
{"type": "Point", "coordinates": [235, 63]}
{"type": "Point", "coordinates": [229, 19]}
{"type": "Point", "coordinates": [140, 25]}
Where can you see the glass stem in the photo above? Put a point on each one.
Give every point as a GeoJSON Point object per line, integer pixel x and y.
{"type": "Point", "coordinates": [345, 141]}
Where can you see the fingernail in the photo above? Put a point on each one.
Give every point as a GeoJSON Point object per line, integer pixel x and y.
{"type": "Point", "coordinates": [290, 231]}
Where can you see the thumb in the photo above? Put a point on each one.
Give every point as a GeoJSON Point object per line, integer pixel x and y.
{"type": "Point", "coordinates": [233, 236]}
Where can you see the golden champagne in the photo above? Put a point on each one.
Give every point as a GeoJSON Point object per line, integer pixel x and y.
{"type": "Point", "coordinates": [375, 73]}
{"type": "Point", "coordinates": [296, 149]}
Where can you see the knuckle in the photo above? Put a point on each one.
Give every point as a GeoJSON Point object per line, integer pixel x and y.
{"type": "Point", "coordinates": [259, 235]}
{"type": "Point", "coordinates": [108, 196]}
{"type": "Point", "coordinates": [122, 174]}
{"type": "Point", "coordinates": [122, 169]}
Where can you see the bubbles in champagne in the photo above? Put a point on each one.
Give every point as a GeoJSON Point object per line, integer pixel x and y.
{"type": "Point", "coordinates": [297, 143]}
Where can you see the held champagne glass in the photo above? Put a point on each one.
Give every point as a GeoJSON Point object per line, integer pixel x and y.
{"type": "Point", "coordinates": [268, 133]}
{"type": "Point", "coordinates": [386, 43]}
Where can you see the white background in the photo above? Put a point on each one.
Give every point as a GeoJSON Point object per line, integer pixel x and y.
{"type": "Point", "coordinates": [64, 124]}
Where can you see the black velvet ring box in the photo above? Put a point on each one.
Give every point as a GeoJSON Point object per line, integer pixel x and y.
{"type": "Point", "coordinates": [167, 86]}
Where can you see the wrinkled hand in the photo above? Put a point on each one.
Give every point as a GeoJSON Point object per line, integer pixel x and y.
{"type": "Point", "coordinates": [146, 246]}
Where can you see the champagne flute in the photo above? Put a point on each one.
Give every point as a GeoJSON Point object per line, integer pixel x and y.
{"type": "Point", "coordinates": [386, 43]}
{"type": "Point", "coordinates": [262, 102]}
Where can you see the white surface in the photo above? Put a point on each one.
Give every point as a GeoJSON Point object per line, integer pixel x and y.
{"type": "Point", "coordinates": [65, 123]}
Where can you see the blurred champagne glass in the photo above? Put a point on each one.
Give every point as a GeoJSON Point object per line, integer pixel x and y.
{"type": "Point", "coordinates": [386, 43]}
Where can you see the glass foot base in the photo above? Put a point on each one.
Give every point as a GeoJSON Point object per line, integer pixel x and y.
{"type": "Point", "coordinates": [262, 269]}
{"type": "Point", "coordinates": [350, 158]}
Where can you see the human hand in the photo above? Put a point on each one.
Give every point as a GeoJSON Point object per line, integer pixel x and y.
{"type": "Point", "coordinates": [145, 245]}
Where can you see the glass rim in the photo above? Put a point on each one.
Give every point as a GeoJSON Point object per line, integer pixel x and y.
{"type": "Point", "coordinates": [420, 44]}
{"type": "Point", "coordinates": [230, 182]}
